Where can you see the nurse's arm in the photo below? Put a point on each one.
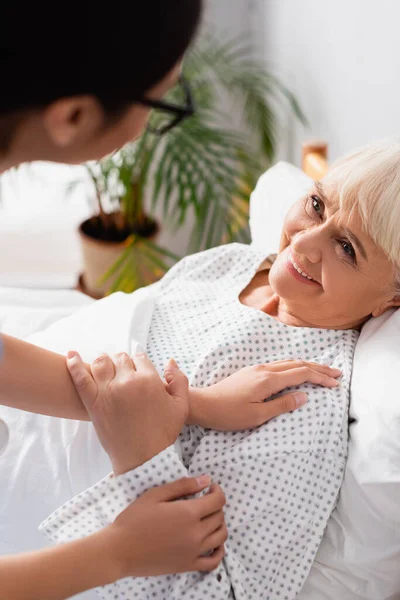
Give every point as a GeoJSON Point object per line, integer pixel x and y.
{"type": "Point", "coordinates": [160, 532]}
{"type": "Point", "coordinates": [37, 380]}
{"type": "Point", "coordinates": [59, 572]}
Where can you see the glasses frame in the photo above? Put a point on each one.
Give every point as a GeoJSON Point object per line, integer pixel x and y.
{"type": "Point", "coordinates": [180, 112]}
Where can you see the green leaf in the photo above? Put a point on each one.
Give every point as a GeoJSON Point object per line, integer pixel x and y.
{"type": "Point", "coordinates": [125, 255]}
{"type": "Point", "coordinates": [207, 166]}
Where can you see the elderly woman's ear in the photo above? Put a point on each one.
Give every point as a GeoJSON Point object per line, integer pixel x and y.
{"type": "Point", "coordinates": [393, 303]}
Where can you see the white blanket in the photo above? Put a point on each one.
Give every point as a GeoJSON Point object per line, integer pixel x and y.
{"type": "Point", "coordinates": [25, 311]}
{"type": "Point", "coordinates": [42, 466]}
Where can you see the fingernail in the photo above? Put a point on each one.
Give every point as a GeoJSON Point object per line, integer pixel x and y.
{"type": "Point", "coordinates": [71, 354]}
{"type": "Point", "coordinates": [300, 398]}
{"type": "Point", "coordinates": [203, 480]}
{"type": "Point", "coordinates": [337, 372]}
{"type": "Point", "coordinates": [172, 363]}
{"type": "Point", "coordinates": [335, 383]}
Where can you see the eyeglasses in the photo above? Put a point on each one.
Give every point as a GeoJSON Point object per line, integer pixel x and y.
{"type": "Point", "coordinates": [176, 114]}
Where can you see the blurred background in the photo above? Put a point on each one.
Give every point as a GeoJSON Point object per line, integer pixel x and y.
{"type": "Point", "coordinates": [302, 69]}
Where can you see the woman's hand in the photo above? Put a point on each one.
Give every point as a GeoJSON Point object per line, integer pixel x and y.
{"type": "Point", "coordinates": [135, 414]}
{"type": "Point", "coordinates": [237, 402]}
{"type": "Point", "coordinates": [160, 533]}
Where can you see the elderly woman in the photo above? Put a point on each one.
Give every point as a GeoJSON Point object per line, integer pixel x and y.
{"type": "Point", "coordinates": [226, 309]}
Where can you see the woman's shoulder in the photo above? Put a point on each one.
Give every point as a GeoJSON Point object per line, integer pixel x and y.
{"type": "Point", "coordinates": [227, 254]}
{"type": "Point", "coordinates": [212, 263]}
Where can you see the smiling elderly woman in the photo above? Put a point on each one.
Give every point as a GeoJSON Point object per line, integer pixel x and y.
{"type": "Point", "coordinates": [343, 243]}
{"type": "Point", "coordinates": [226, 309]}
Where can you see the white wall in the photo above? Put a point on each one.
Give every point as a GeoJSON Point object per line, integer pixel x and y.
{"type": "Point", "coordinates": [245, 18]}
{"type": "Point", "coordinates": [342, 60]}
{"type": "Point", "coordinates": [231, 16]}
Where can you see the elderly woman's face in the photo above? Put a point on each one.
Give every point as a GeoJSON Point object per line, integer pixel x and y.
{"type": "Point", "coordinates": [329, 273]}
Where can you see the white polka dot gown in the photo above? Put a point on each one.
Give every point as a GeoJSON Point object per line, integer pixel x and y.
{"type": "Point", "coordinates": [281, 480]}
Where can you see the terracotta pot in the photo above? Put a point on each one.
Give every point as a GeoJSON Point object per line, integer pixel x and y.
{"type": "Point", "coordinates": [98, 257]}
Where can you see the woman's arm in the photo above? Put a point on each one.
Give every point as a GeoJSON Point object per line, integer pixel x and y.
{"type": "Point", "coordinates": [237, 402]}
{"type": "Point", "coordinates": [37, 380]}
{"type": "Point", "coordinates": [60, 572]}
{"type": "Point", "coordinates": [158, 533]}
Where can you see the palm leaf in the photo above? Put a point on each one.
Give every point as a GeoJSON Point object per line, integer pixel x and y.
{"type": "Point", "coordinates": [141, 263]}
{"type": "Point", "coordinates": [202, 168]}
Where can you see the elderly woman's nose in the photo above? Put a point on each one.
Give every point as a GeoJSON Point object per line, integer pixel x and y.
{"type": "Point", "coordinates": [308, 244]}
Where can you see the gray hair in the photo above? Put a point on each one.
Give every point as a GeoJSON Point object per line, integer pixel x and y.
{"type": "Point", "coordinates": [368, 180]}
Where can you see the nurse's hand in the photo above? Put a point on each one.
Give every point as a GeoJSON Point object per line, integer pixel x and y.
{"type": "Point", "coordinates": [238, 402]}
{"type": "Point", "coordinates": [136, 415]}
{"type": "Point", "coordinates": [162, 533]}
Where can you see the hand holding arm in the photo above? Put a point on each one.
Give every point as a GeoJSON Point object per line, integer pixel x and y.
{"type": "Point", "coordinates": [136, 417]}
{"type": "Point", "coordinates": [135, 414]}
{"type": "Point", "coordinates": [158, 534]}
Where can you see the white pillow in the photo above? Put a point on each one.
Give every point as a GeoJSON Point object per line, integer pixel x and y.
{"type": "Point", "coordinates": [359, 556]}
{"type": "Point", "coordinates": [274, 194]}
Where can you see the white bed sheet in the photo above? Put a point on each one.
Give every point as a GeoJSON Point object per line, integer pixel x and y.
{"type": "Point", "coordinates": [26, 311]}
{"type": "Point", "coordinates": [41, 465]}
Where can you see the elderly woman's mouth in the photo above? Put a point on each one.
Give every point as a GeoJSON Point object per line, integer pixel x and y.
{"type": "Point", "coordinates": [298, 272]}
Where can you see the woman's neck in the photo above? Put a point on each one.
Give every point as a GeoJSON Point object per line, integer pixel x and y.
{"type": "Point", "coordinates": [259, 295]}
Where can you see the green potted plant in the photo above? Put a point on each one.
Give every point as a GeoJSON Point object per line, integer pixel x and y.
{"type": "Point", "coordinates": [205, 167]}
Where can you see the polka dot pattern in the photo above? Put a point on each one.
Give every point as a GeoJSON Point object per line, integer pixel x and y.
{"type": "Point", "coordinates": [281, 480]}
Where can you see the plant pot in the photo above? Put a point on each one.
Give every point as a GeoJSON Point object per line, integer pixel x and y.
{"type": "Point", "coordinates": [99, 255]}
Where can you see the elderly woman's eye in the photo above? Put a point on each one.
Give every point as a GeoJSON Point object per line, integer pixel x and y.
{"type": "Point", "coordinates": [348, 249]}
{"type": "Point", "coordinates": [317, 205]}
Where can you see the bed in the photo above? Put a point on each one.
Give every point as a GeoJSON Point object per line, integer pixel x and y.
{"type": "Point", "coordinates": [360, 552]}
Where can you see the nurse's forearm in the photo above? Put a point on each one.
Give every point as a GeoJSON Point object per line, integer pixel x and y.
{"type": "Point", "coordinates": [60, 572]}
{"type": "Point", "coordinates": [37, 380]}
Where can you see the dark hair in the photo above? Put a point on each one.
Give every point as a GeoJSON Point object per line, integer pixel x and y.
{"type": "Point", "coordinates": [115, 51]}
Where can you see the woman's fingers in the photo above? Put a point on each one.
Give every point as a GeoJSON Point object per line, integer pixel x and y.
{"type": "Point", "coordinates": [284, 404]}
{"type": "Point", "coordinates": [209, 563]}
{"type": "Point", "coordinates": [212, 523]}
{"type": "Point", "coordinates": [177, 382]}
{"type": "Point", "coordinates": [143, 363]}
{"type": "Point", "coordinates": [217, 538]}
{"type": "Point", "coordinates": [281, 380]}
{"type": "Point", "coordinates": [82, 378]}
{"type": "Point", "coordinates": [103, 371]}
{"type": "Point", "coordinates": [124, 365]}
{"type": "Point", "coordinates": [285, 365]}
{"type": "Point", "coordinates": [284, 379]}
{"type": "Point", "coordinates": [169, 370]}
{"type": "Point", "coordinates": [210, 503]}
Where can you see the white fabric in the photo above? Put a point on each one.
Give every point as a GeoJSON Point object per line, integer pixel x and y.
{"type": "Point", "coordinates": [4, 435]}
{"type": "Point", "coordinates": [359, 556]}
{"type": "Point", "coordinates": [275, 192]}
{"type": "Point", "coordinates": [281, 480]}
{"type": "Point", "coordinates": [46, 460]}
{"type": "Point", "coordinates": [23, 312]}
